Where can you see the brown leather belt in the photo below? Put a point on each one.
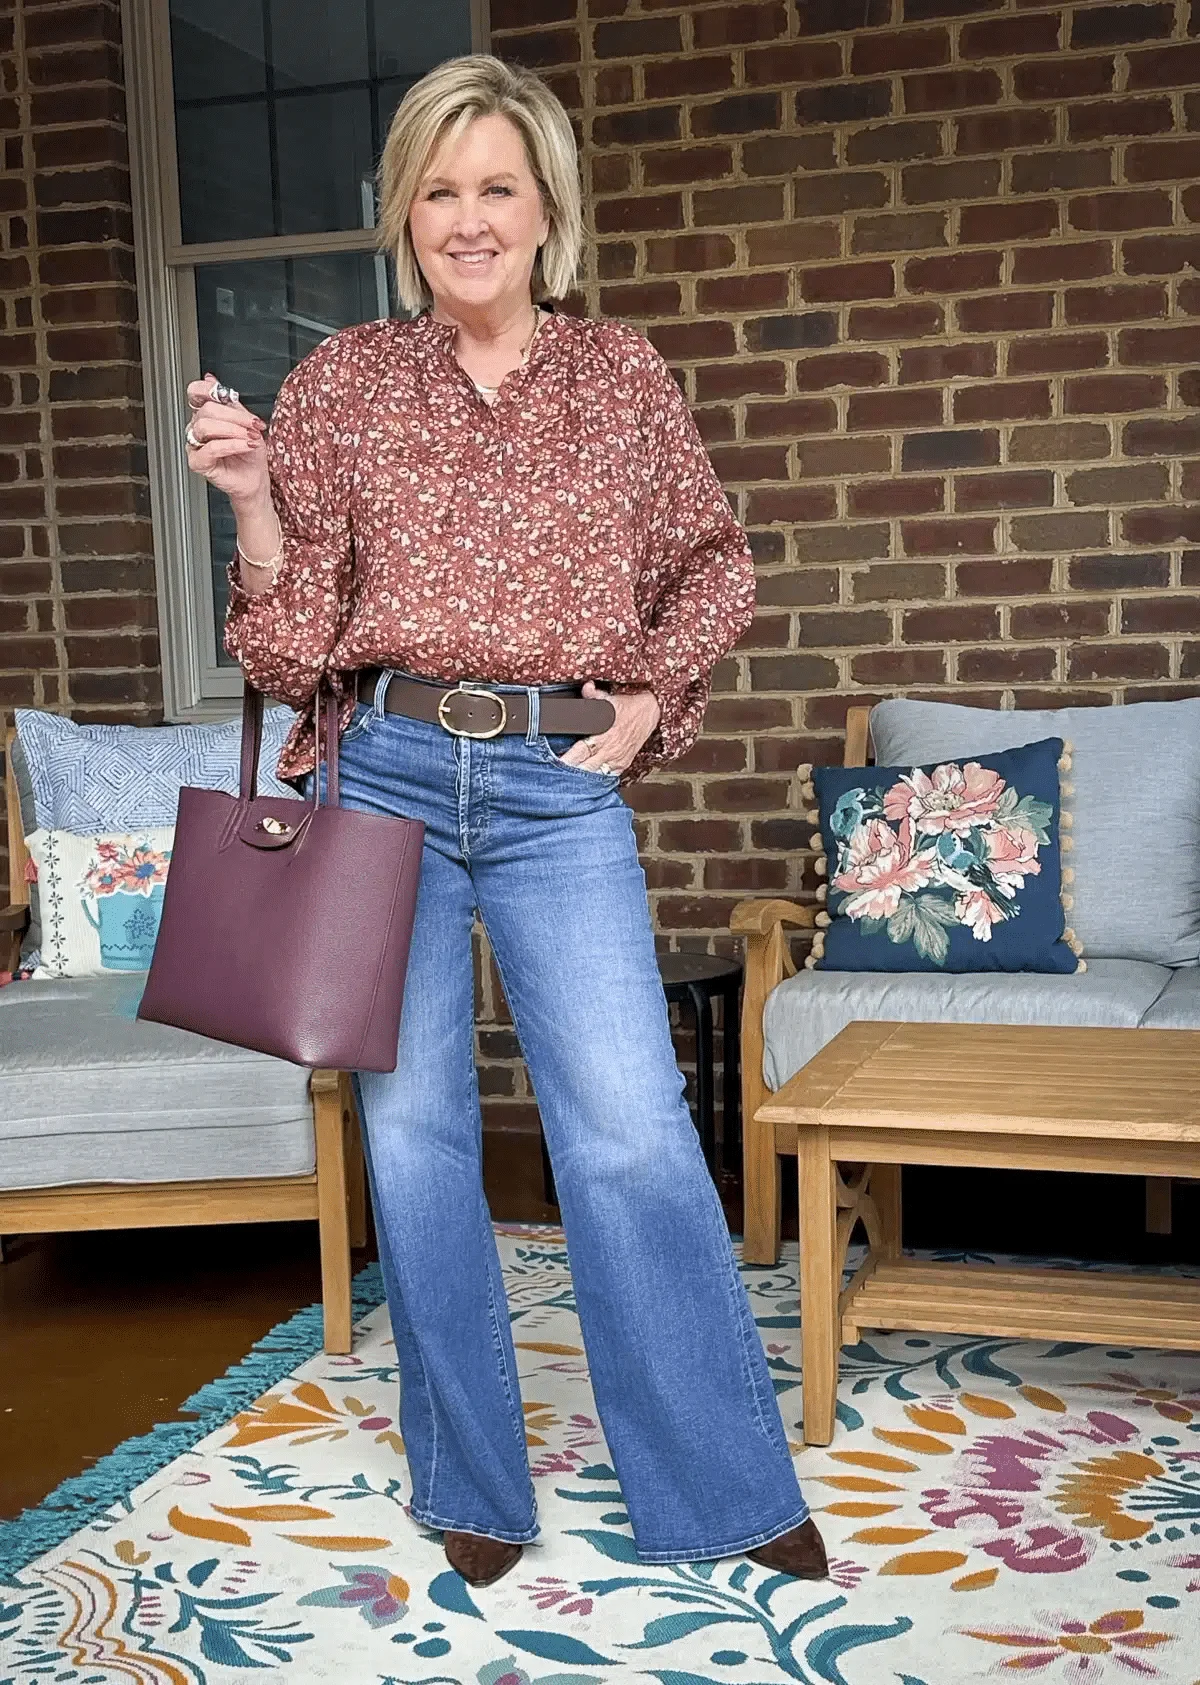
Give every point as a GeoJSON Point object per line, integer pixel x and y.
{"type": "Point", "coordinates": [467, 710]}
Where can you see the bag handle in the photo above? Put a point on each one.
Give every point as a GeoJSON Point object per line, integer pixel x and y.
{"type": "Point", "coordinates": [333, 794]}
{"type": "Point", "coordinates": [252, 725]}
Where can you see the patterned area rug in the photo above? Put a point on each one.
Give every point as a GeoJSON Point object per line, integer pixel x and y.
{"type": "Point", "coordinates": [992, 1508]}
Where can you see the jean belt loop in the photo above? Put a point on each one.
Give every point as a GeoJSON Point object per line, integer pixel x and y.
{"type": "Point", "coordinates": [381, 684]}
{"type": "Point", "coordinates": [535, 712]}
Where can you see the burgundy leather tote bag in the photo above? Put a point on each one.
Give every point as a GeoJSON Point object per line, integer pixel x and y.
{"type": "Point", "coordinates": [286, 924]}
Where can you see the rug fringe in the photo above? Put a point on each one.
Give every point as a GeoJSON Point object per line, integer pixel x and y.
{"type": "Point", "coordinates": [83, 1497]}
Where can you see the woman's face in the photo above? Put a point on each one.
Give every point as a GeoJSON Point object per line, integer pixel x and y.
{"type": "Point", "coordinates": [478, 196]}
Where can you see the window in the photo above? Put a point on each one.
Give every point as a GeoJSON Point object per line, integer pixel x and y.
{"type": "Point", "coordinates": [255, 126]}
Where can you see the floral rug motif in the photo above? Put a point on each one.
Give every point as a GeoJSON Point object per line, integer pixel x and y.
{"type": "Point", "coordinates": [992, 1508]}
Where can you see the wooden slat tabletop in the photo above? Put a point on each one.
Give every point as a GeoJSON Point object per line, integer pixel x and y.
{"type": "Point", "coordinates": [1035, 1078]}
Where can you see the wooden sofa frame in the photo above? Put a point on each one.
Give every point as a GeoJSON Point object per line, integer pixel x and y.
{"type": "Point", "coordinates": [768, 961]}
{"type": "Point", "coordinates": [334, 1193]}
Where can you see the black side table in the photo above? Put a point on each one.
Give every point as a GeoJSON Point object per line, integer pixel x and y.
{"type": "Point", "coordinates": [697, 978]}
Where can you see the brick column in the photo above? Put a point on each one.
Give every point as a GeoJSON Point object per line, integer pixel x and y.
{"type": "Point", "coordinates": [77, 603]}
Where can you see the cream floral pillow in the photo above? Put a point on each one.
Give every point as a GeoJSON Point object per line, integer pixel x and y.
{"type": "Point", "coordinates": [101, 899]}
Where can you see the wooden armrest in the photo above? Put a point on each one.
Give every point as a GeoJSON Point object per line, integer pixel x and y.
{"type": "Point", "coordinates": [768, 961]}
{"type": "Point", "coordinates": [756, 918]}
{"type": "Point", "coordinates": [14, 921]}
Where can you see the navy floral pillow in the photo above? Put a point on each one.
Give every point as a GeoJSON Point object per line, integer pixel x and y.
{"type": "Point", "coordinates": [950, 867]}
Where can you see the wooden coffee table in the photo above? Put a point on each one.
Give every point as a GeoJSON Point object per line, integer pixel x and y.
{"type": "Point", "coordinates": [1014, 1097]}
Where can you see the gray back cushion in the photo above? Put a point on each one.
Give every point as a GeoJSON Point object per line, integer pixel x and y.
{"type": "Point", "coordinates": [1136, 808]}
{"type": "Point", "coordinates": [33, 936]}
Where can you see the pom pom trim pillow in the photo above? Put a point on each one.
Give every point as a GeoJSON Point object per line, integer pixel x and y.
{"type": "Point", "coordinates": [101, 899]}
{"type": "Point", "coordinates": [949, 867]}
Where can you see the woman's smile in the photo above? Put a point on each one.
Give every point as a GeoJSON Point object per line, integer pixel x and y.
{"type": "Point", "coordinates": [473, 260]}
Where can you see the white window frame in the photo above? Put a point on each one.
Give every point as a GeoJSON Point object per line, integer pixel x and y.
{"type": "Point", "coordinates": [195, 687]}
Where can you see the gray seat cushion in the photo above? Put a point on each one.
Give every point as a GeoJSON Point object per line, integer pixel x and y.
{"type": "Point", "coordinates": [88, 1093]}
{"type": "Point", "coordinates": [1136, 808]}
{"type": "Point", "coordinates": [1178, 1007]}
{"type": "Point", "coordinates": [808, 1010]}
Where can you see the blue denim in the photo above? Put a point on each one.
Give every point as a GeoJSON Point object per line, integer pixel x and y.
{"type": "Point", "coordinates": [546, 852]}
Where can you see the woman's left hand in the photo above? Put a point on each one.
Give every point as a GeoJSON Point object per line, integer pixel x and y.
{"type": "Point", "coordinates": [637, 715]}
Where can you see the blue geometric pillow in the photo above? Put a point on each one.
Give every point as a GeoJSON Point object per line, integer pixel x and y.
{"type": "Point", "coordinates": [951, 867]}
{"type": "Point", "coordinates": [94, 778]}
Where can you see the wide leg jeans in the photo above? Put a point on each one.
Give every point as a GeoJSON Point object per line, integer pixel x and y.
{"type": "Point", "coordinates": [546, 852]}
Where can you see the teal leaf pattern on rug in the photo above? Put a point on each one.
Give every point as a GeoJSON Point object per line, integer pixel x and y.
{"type": "Point", "coordinates": [990, 1506]}
{"type": "Point", "coordinates": [449, 1591]}
{"type": "Point", "coordinates": [618, 1546]}
{"type": "Point", "coordinates": [554, 1647]}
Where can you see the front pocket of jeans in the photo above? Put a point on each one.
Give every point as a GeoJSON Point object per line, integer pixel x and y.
{"type": "Point", "coordinates": [556, 759]}
{"type": "Point", "coordinates": [359, 721]}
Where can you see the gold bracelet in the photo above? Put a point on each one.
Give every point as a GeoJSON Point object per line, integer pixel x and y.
{"type": "Point", "coordinates": [273, 563]}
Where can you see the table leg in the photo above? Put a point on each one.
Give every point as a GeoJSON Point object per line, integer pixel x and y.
{"type": "Point", "coordinates": [885, 1191]}
{"type": "Point", "coordinates": [702, 1007]}
{"type": "Point", "coordinates": [731, 1131]}
{"type": "Point", "coordinates": [549, 1191]}
{"type": "Point", "coordinates": [819, 1284]}
{"type": "Point", "coordinates": [1158, 1205]}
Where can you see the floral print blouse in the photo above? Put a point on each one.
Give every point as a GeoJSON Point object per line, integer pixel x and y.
{"type": "Point", "coordinates": [573, 528]}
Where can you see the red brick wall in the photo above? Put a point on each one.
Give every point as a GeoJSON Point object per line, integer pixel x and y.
{"type": "Point", "coordinates": [931, 285]}
{"type": "Point", "coordinates": [931, 288]}
{"type": "Point", "coordinates": [77, 603]}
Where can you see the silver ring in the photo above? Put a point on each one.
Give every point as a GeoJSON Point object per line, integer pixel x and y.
{"type": "Point", "coordinates": [222, 394]}
{"type": "Point", "coordinates": [191, 438]}
{"type": "Point", "coordinates": [604, 767]}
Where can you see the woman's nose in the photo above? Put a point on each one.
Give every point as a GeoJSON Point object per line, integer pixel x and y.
{"type": "Point", "coordinates": [471, 214]}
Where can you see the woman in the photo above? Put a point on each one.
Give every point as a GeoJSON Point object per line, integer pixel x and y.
{"type": "Point", "coordinates": [471, 521]}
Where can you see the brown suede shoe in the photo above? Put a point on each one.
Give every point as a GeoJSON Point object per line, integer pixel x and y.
{"type": "Point", "coordinates": [481, 1560]}
{"type": "Point", "coordinates": [800, 1553]}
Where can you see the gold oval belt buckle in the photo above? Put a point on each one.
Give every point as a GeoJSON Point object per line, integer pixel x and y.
{"type": "Point", "coordinates": [471, 690]}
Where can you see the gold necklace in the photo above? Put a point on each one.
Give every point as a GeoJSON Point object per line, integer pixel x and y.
{"type": "Point", "coordinates": [537, 322]}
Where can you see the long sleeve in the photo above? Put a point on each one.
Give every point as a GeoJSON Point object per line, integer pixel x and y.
{"type": "Point", "coordinates": [282, 637]}
{"type": "Point", "coordinates": [697, 571]}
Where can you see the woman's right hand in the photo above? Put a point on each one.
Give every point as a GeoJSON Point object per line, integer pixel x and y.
{"type": "Point", "coordinates": [232, 453]}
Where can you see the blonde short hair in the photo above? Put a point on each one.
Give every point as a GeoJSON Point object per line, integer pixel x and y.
{"type": "Point", "coordinates": [440, 106]}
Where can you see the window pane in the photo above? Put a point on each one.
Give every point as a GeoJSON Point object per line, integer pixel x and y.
{"type": "Point", "coordinates": [217, 48]}
{"type": "Point", "coordinates": [216, 202]}
{"type": "Point", "coordinates": [282, 105]}
{"type": "Point", "coordinates": [256, 321]}
{"type": "Point", "coordinates": [320, 41]}
{"type": "Point", "coordinates": [311, 129]}
{"type": "Point", "coordinates": [443, 32]}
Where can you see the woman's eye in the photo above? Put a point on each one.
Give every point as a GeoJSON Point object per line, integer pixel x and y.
{"type": "Point", "coordinates": [496, 187]}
